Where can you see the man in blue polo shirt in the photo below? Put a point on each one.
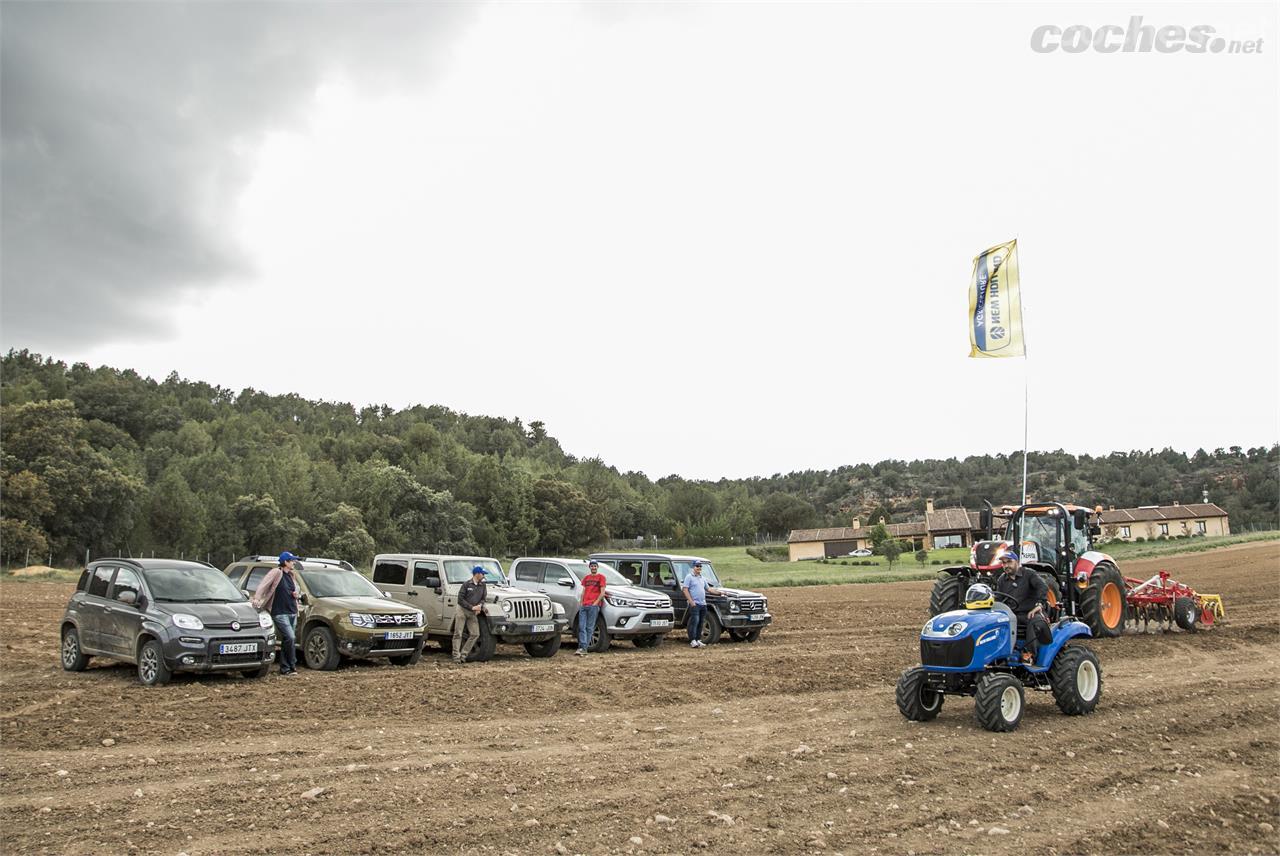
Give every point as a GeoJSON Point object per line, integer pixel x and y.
{"type": "Point", "coordinates": [695, 590]}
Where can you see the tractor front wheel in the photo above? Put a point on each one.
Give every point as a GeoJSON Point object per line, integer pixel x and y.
{"type": "Point", "coordinates": [1076, 679]}
{"type": "Point", "coordinates": [917, 701]}
{"type": "Point", "coordinates": [946, 594]}
{"type": "Point", "coordinates": [1102, 603]}
{"type": "Point", "coordinates": [998, 702]}
{"type": "Point", "coordinates": [1186, 613]}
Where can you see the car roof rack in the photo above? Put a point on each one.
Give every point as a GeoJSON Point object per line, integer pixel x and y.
{"type": "Point", "coordinates": [337, 563]}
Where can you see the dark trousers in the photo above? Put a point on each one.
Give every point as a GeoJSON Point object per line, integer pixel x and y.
{"type": "Point", "coordinates": [1035, 632]}
{"type": "Point", "coordinates": [286, 629]}
{"type": "Point", "coordinates": [697, 615]}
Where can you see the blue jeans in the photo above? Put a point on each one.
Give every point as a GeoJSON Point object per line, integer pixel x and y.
{"type": "Point", "coordinates": [697, 615]}
{"type": "Point", "coordinates": [586, 625]}
{"type": "Point", "coordinates": [286, 629]}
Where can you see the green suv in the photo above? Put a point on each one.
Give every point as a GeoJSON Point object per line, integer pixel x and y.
{"type": "Point", "coordinates": [341, 614]}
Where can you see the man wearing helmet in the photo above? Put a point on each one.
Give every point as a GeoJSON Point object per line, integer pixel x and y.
{"type": "Point", "coordinates": [1029, 600]}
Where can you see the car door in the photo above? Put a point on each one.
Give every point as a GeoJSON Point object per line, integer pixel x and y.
{"type": "Point", "coordinates": [659, 575]}
{"type": "Point", "coordinates": [122, 621]}
{"type": "Point", "coordinates": [422, 593]}
{"type": "Point", "coordinates": [93, 609]}
{"type": "Point", "coordinates": [562, 587]}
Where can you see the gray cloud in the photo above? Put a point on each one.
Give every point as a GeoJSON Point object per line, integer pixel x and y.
{"type": "Point", "coordinates": [121, 124]}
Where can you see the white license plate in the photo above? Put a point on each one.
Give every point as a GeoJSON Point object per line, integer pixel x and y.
{"type": "Point", "coordinates": [238, 648]}
{"type": "Point", "coordinates": [399, 634]}
{"type": "Point", "coordinates": [543, 628]}
{"type": "Point", "coordinates": [660, 623]}
{"type": "Point", "coordinates": [755, 617]}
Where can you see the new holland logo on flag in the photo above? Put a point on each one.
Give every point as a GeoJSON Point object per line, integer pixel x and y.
{"type": "Point", "coordinates": [995, 304]}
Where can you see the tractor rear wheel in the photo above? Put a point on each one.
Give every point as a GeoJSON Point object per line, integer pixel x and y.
{"type": "Point", "coordinates": [946, 594]}
{"type": "Point", "coordinates": [1051, 583]}
{"type": "Point", "coordinates": [1102, 603]}
{"type": "Point", "coordinates": [917, 701]}
{"type": "Point", "coordinates": [1186, 613]}
{"type": "Point", "coordinates": [998, 702]}
{"type": "Point", "coordinates": [1076, 679]}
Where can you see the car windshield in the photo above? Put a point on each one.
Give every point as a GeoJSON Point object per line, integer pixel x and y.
{"type": "Point", "coordinates": [611, 577]}
{"type": "Point", "coordinates": [336, 583]}
{"type": "Point", "coordinates": [459, 570]}
{"type": "Point", "coordinates": [684, 569]}
{"type": "Point", "coordinates": [192, 585]}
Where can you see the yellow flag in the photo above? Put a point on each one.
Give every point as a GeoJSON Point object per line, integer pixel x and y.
{"type": "Point", "coordinates": [995, 304]}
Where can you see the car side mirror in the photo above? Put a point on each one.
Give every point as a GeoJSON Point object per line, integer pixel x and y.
{"type": "Point", "coordinates": [246, 593]}
{"type": "Point", "coordinates": [128, 597]}
{"type": "Point", "coordinates": [1095, 530]}
{"type": "Point", "coordinates": [1080, 517]}
{"type": "Point", "coordinates": [565, 583]}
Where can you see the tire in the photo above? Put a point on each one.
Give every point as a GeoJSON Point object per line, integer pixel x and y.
{"type": "Point", "coordinates": [647, 641]}
{"type": "Point", "coordinates": [1102, 604]}
{"type": "Point", "coordinates": [1076, 680]}
{"type": "Point", "coordinates": [599, 637]}
{"type": "Point", "coordinates": [255, 674]}
{"type": "Point", "coordinates": [1054, 598]}
{"type": "Point", "coordinates": [1186, 613]}
{"type": "Point", "coordinates": [712, 628]}
{"type": "Point", "coordinates": [544, 649]}
{"type": "Point", "coordinates": [999, 702]}
{"type": "Point", "coordinates": [916, 701]}
{"type": "Point", "coordinates": [485, 645]}
{"type": "Point", "coordinates": [947, 592]}
{"type": "Point", "coordinates": [153, 671]}
{"type": "Point", "coordinates": [745, 635]}
{"type": "Point", "coordinates": [320, 649]}
{"type": "Point", "coordinates": [407, 659]}
{"type": "Point", "coordinates": [73, 658]}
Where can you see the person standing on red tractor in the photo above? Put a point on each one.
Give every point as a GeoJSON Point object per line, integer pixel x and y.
{"type": "Point", "coordinates": [1029, 602]}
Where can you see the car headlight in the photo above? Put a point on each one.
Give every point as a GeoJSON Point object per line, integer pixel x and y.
{"type": "Point", "coordinates": [187, 622]}
{"type": "Point", "coordinates": [620, 601]}
{"type": "Point", "coordinates": [360, 619]}
{"type": "Point", "coordinates": [264, 621]}
{"type": "Point", "coordinates": [506, 606]}
{"type": "Point", "coordinates": [419, 618]}
{"type": "Point", "coordinates": [734, 606]}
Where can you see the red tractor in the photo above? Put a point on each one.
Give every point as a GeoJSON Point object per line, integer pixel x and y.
{"type": "Point", "coordinates": [1056, 541]}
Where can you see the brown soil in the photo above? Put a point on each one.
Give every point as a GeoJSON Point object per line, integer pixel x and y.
{"type": "Point", "coordinates": [791, 744]}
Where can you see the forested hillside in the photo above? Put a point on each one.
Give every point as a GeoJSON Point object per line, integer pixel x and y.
{"type": "Point", "coordinates": [108, 461]}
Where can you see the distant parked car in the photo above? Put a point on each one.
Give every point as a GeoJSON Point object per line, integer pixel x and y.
{"type": "Point", "coordinates": [863, 552]}
{"type": "Point", "coordinates": [165, 616]}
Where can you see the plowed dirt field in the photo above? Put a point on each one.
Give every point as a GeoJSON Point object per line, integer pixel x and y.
{"type": "Point", "coordinates": [792, 744]}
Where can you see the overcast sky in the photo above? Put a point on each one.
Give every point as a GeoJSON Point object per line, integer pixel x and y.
{"type": "Point", "coordinates": [713, 240]}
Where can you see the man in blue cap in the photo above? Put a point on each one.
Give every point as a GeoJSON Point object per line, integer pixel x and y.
{"type": "Point", "coordinates": [470, 604]}
{"type": "Point", "coordinates": [1030, 602]}
{"type": "Point", "coordinates": [278, 594]}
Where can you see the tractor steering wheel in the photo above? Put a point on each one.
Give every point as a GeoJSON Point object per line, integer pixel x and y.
{"type": "Point", "coordinates": [1007, 599]}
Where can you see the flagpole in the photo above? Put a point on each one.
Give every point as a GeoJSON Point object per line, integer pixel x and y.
{"type": "Point", "coordinates": [1026, 383]}
{"type": "Point", "coordinates": [1026, 371]}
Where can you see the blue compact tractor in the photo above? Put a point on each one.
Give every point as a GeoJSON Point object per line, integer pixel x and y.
{"type": "Point", "coordinates": [977, 651]}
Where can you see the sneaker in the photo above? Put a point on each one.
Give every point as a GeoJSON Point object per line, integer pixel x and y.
{"type": "Point", "coordinates": [292, 674]}
{"type": "Point", "coordinates": [581, 652]}
{"type": "Point", "coordinates": [693, 644]}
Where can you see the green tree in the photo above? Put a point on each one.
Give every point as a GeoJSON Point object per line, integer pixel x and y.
{"type": "Point", "coordinates": [878, 535]}
{"type": "Point", "coordinates": [176, 515]}
{"type": "Point", "coordinates": [891, 550]}
{"type": "Point", "coordinates": [922, 556]}
{"type": "Point", "coordinates": [782, 512]}
{"type": "Point", "coordinates": [566, 519]}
